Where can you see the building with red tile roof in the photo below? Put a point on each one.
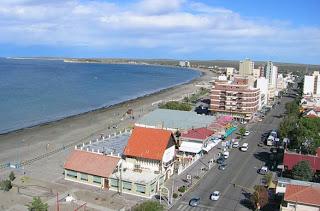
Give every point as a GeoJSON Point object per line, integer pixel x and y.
{"type": "Point", "coordinates": [151, 149]}
{"type": "Point", "coordinates": [201, 134]}
{"type": "Point", "coordinates": [290, 159]}
{"type": "Point", "coordinates": [90, 167]}
{"type": "Point", "coordinates": [300, 197]}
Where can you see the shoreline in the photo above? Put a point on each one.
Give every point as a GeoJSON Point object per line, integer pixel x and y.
{"type": "Point", "coordinates": [105, 108]}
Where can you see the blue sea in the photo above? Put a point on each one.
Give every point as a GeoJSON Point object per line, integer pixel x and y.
{"type": "Point", "coordinates": [39, 91]}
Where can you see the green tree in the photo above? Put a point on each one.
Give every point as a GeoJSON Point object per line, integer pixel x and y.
{"type": "Point", "coordinates": [242, 131]}
{"type": "Point", "coordinates": [259, 197]}
{"type": "Point", "coordinates": [37, 205]}
{"type": "Point", "coordinates": [5, 185]}
{"type": "Point", "coordinates": [12, 176]}
{"type": "Point", "coordinates": [174, 105]}
{"type": "Point", "coordinates": [149, 206]}
{"type": "Point", "coordinates": [302, 171]}
{"type": "Point", "coordinates": [268, 178]}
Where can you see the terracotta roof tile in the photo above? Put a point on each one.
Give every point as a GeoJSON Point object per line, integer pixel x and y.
{"type": "Point", "coordinates": [290, 159]}
{"type": "Point", "coordinates": [302, 194]}
{"type": "Point", "coordinates": [91, 163]}
{"type": "Point", "coordinates": [198, 133]}
{"type": "Point", "coordinates": [148, 143]}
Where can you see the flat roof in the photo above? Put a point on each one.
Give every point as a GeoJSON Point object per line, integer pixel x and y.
{"type": "Point", "coordinates": [143, 177]}
{"type": "Point", "coordinates": [114, 144]}
{"type": "Point", "coordinates": [174, 119]}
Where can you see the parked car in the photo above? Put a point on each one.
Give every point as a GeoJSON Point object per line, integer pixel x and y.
{"type": "Point", "coordinates": [235, 144]}
{"type": "Point", "coordinates": [221, 160]}
{"type": "Point", "coordinates": [247, 133]}
{"type": "Point", "coordinates": [225, 154]}
{"type": "Point", "coordinates": [215, 196]}
{"type": "Point", "coordinates": [263, 170]}
{"type": "Point", "coordinates": [194, 202]}
{"type": "Point", "coordinates": [222, 166]}
{"type": "Point", "coordinates": [244, 147]}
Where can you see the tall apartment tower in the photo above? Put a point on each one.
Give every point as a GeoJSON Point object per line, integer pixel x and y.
{"type": "Point", "coordinates": [271, 73]}
{"type": "Point", "coordinates": [234, 98]}
{"type": "Point", "coordinates": [311, 85]}
{"type": "Point", "coordinates": [246, 67]}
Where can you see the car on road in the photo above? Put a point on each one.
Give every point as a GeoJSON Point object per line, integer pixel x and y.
{"type": "Point", "coordinates": [221, 160]}
{"type": "Point", "coordinates": [235, 144]}
{"type": "Point", "coordinates": [222, 166]}
{"type": "Point", "coordinates": [244, 147]}
{"type": "Point", "coordinates": [194, 202]}
{"type": "Point", "coordinates": [215, 196]}
{"type": "Point", "coordinates": [247, 133]}
{"type": "Point", "coordinates": [263, 170]}
{"type": "Point", "coordinates": [225, 154]}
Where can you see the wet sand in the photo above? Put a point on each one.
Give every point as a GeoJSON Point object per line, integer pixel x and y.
{"type": "Point", "coordinates": [30, 142]}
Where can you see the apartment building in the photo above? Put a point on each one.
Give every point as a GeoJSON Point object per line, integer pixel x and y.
{"type": "Point", "coordinates": [311, 85]}
{"type": "Point", "coordinates": [235, 98]}
{"type": "Point", "coordinates": [246, 67]}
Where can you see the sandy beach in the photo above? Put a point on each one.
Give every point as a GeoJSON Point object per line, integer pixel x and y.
{"type": "Point", "coordinates": [31, 142]}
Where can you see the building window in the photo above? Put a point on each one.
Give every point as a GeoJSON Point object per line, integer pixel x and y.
{"type": "Point", "coordinates": [127, 185]}
{"type": "Point", "coordinates": [113, 183]}
{"type": "Point", "coordinates": [72, 174]}
{"type": "Point", "coordinates": [84, 177]}
{"type": "Point", "coordinates": [141, 188]}
{"type": "Point", "coordinates": [96, 180]}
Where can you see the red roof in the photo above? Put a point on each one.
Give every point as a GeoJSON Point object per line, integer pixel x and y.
{"type": "Point", "coordinates": [198, 133]}
{"type": "Point", "coordinates": [91, 163]}
{"type": "Point", "coordinates": [148, 143]}
{"type": "Point", "coordinates": [290, 159]}
{"type": "Point", "coordinates": [308, 195]}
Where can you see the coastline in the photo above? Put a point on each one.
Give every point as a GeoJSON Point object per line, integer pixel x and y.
{"type": "Point", "coordinates": [102, 108]}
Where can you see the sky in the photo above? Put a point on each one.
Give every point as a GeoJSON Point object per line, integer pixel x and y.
{"type": "Point", "coordinates": [277, 30]}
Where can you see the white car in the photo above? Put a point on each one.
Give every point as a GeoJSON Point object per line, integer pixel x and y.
{"type": "Point", "coordinates": [215, 196]}
{"type": "Point", "coordinates": [225, 154]}
{"type": "Point", "coordinates": [235, 144]}
{"type": "Point", "coordinates": [263, 170]}
{"type": "Point", "coordinates": [247, 133]}
{"type": "Point", "coordinates": [244, 147]}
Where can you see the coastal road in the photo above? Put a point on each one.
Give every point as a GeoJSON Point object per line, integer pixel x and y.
{"type": "Point", "coordinates": [241, 170]}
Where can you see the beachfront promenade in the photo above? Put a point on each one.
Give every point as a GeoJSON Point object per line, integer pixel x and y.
{"type": "Point", "coordinates": [44, 149]}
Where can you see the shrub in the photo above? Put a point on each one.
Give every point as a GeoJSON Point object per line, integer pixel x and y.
{"type": "Point", "coordinates": [149, 205]}
{"type": "Point", "coordinates": [37, 205]}
{"type": "Point", "coordinates": [5, 185]}
{"type": "Point", "coordinates": [174, 195]}
{"type": "Point", "coordinates": [182, 189]}
{"type": "Point", "coordinates": [12, 176]}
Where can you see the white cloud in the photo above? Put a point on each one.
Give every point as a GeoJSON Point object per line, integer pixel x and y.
{"type": "Point", "coordinates": [180, 26]}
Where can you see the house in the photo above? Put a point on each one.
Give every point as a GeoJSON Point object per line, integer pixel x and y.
{"type": "Point", "coordinates": [149, 161]}
{"type": "Point", "coordinates": [312, 113]}
{"type": "Point", "coordinates": [90, 168]}
{"type": "Point", "coordinates": [290, 159]}
{"type": "Point", "coordinates": [301, 198]}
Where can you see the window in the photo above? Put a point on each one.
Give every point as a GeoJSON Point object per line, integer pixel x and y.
{"type": "Point", "coordinates": [113, 183]}
{"type": "Point", "coordinates": [72, 174]}
{"type": "Point", "coordinates": [84, 177]}
{"type": "Point", "coordinates": [127, 185]}
{"type": "Point", "coordinates": [96, 180]}
{"type": "Point", "coordinates": [141, 188]}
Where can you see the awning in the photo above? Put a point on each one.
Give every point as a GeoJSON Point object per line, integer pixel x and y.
{"type": "Point", "coordinates": [229, 131]}
{"type": "Point", "coordinates": [210, 145]}
{"type": "Point", "coordinates": [190, 147]}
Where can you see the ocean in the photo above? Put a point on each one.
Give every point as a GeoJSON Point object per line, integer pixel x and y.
{"type": "Point", "coordinates": [38, 91]}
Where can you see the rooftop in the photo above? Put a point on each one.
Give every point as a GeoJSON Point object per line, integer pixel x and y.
{"type": "Point", "coordinates": [303, 194]}
{"type": "Point", "coordinates": [143, 177]}
{"type": "Point", "coordinates": [173, 119]}
{"type": "Point", "coordinates": [197, 133]}
{"type": "Point", "coordinates": [111, 145]}
{"type": "Point", "coordinates": [148, 143]}
{"type": "Point", "coordinates": [292, 158]}
{"type": "Point", "coordinates": [91, 163]}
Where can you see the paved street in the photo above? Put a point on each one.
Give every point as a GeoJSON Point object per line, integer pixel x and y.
{"type": "Point", "coordinates": [242, 170]}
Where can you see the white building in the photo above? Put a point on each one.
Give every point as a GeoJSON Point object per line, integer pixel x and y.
{"type": "Point", "coordinates": [184, 63]}
{"type": "Point", "coordinates": [246, 67]}
{"type": "Point", "coordinates": [311, 85]}
{"type": "Point", "coordinates": [230, 72]}
{"type": "Point", "coordinates": [263, 85]}
{"type": "Point", "coordinates": [256, 73]}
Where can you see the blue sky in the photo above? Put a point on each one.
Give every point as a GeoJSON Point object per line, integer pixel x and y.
{"type": "Point", "coordinates": [283, 30]}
